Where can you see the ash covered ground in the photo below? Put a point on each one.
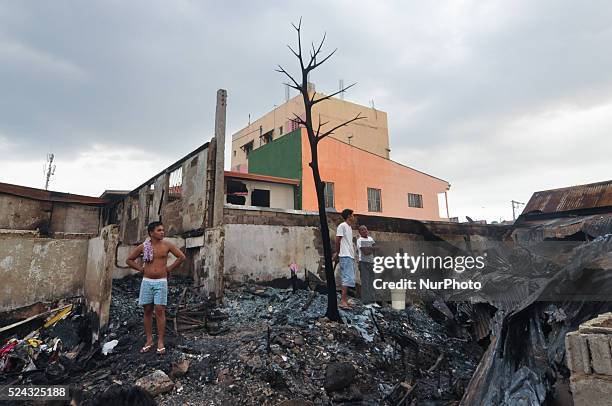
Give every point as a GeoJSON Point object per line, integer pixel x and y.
{"type": "Point", "coordinates": [279, 347]}
{"type": "Point", "coordinates": [261, 346]}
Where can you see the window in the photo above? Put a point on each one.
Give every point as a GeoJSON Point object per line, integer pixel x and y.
{"type": "Point", "coordinates": [328, 193]}
{"type": "Point", "coordinates": [294, 125]}
{"type": "Point", "coordinates": [236, 192]}
{"type": "Point", "coordinates": [280, 130]}
{"type": "Point", "coordinates": [267, 137]}
{"type": "Point", "coordinates": [374, 200]}
{"type": "Point", "coordinates": [415, 200]}
{"type": "Point", "coordinates": [260, 198]}
{"type": "Point", "coordinates": [234, 152]}
{"type": "Point", "coordinates": [175, 184]}
{"type": "Point", "coordinates": [247, 148]}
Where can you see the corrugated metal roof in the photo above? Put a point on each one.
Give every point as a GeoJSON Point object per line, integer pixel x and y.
{"type": "Point", "coordinates": [593, 195]}
{"type": "Point", "coordinates": [50, 196]}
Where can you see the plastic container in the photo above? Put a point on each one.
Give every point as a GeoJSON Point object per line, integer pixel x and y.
{"type": "Point", "coordinates": [398, 299]}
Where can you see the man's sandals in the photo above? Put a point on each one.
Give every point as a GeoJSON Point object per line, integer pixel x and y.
{"type": "Point", "coordinates": [146, 348]}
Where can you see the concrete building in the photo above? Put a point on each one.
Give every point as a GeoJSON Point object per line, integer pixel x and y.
{"type": "Point", "coordinates": [247, 189]}
{"type": "Point", "coordinates": [370, 134]}
{"type": "Point", "coordinates": [356, 178]}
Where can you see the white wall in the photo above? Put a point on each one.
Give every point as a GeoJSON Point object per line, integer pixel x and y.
{"type": "Point", "coordinates": [262, 252]}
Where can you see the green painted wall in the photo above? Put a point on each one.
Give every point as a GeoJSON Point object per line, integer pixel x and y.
{"type": "Point", "coordinates": [282, 157]}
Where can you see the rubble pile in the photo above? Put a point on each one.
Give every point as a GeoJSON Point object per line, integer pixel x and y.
{"type": "Point", "coordinates": [275, 346]}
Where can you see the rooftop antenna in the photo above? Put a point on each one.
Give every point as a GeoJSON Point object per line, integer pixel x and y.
{"type": "Point", "coordinates": [287, 92]}
{"type": "Point", "coordinates": [374, 108]}
{"type": "Point", "coordinates": [515, 205]}
{"type": "Point", "coordinates": [49, 169]}
{"type": "Point", "coordinates": [249, 118]}
{"type": "Point", "coordinates": [341, 88]}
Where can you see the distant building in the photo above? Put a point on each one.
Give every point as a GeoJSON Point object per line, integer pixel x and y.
{"type": "Point", "coordinates": [370, 133]}
{"type": "Point", "coordinates": [354, 178]}
{"type": "Point", "coordinates": [591, 198]}
{"type": "Point", "coordinates": [581, 212]}
{"type": "Point", "coordinates": [259, 190]}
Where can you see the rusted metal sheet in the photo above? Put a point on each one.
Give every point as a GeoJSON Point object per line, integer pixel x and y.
{"type": "Point", "coordinates": [539, 230]}
{"type": "Point", "coordinates": [49, 196]}
{"type": "Point", "coordinates": [590, 196]}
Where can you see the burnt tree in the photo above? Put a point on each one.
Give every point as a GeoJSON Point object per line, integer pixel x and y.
{"type": "Point", "coordinates": [314, 137]}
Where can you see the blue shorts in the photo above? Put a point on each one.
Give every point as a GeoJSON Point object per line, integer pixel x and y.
{"type": "Point", "coordinates": [347, 271]}
{"type": "Point", "coordinates": [153, 291]}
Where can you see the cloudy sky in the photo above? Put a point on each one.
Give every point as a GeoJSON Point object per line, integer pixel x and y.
{"type": "Point", "coordinates": [499, 98]}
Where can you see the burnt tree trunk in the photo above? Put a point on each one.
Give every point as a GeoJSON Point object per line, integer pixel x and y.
{"type": "Point", "coordinates": [314, 136]}
{"type": "Point", "coordinates": [332, 298]}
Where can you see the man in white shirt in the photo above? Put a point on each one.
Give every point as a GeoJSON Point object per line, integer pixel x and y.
{"type": "Point", "coordinates": [345, 254]}
{"type": "Point", "coordinates": [365, 255]}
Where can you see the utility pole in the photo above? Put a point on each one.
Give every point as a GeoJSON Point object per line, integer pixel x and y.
{"type": "Point", "coordinates": [49, 169]}
{"type": "Point", "coordinates": [515, 205]}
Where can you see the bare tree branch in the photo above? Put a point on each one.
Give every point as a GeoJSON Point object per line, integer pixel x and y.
{"type": "Point", "coordinates": [298, 120]}
{"type": "Point", "coordinates": [317, 64]}
{"type": "Point", "coordinates": [292, 86]}
{"type": "Point", "coordinates": [319, 127]}
{"type": "Point", "coordinates": [282, 70]}
{"type": "Point", "coordinates": [313, 96]}
{"type": "Point", "coordinates": [299, 51]}
{"type": "Point", "coordinates": [326, 133]}
{"type": "Point", "coordinates": [293, 52]}
{"type": "Point", "coordinates": [313, 101]}
{"type": "Point", "coordinates": [313, 56]}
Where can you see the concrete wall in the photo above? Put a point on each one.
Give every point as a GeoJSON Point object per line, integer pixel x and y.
{"type": "Point", "coordinates": [260, 243]}
{"type": "Point", "coordinates": [99, 276]}
{"type": "Point", "coordinates": [72, 218]}
{"type": "Point", "coordinates": [40, 269]}
{"type": "Point", "coordinates": [179, 215]}
{"type": "Point", "coordinates": [589, 359]}
{"type": "Point", "coordinates": [21, 213]}
{"type": "Point", "coordinates": [370, 133]}
{"type": "Point", "coordinates": [264, 252]}
{"type": "Point", "coordinates": [209, 262]}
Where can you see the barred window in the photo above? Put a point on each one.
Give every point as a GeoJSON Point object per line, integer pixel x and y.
{"type": "Point", "coordinates": [175, 183]}
{"type": "Point", "coordinates": [267, 137]}
{"type": "Point", "coordinates": [415, 200]}
{"type": "Point", "coordinates": [328, 193]}
{"type": "Point", "coordinates": [247, 148]}
{"type": "Point", "coordinates": [374, 200]}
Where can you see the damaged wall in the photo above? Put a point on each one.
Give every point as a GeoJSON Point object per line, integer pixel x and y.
{"type": "Point", "coordinates": [261, 243]}
{"type": "Point", "coordinates": [22, 213]}
{"type": "Point", "coordinates": [209, 261]}
{"type": "Point", "coordinates": [263, 253]}
{"type": "Point", "coordinates": [180, 205]}
{"type": "Point", "coordinates": [36, 269]}
{"type": "Point", "coordinates": [99, 276]}
{"type": "Point", "coordinates": [590, 361]}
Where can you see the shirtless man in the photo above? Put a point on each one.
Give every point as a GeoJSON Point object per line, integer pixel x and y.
{"type": "Point", "coordinates": [154, 286]}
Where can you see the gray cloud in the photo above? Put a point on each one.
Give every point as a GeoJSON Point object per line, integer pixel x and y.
{"type": "Point", "coordinates": [455, 77]}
